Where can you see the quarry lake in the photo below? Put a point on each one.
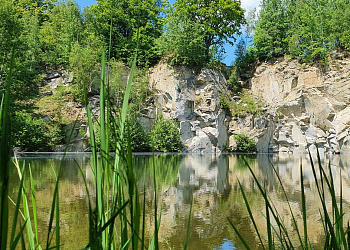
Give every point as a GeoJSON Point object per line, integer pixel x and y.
{"type": "Point", "coordinates": [212, 182]}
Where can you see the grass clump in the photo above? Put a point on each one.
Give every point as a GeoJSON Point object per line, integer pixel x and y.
{"type": "Point", "coordinates": [247, 105]}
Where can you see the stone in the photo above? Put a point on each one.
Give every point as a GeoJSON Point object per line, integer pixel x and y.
{"type": "Point", "coordinates": [46, 118]}
{"type": "Point", "coordinates": [47, 93]}
{"type": "Point", "coordinates": [52, 75]}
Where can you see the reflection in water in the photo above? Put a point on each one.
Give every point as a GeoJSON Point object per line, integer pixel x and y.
{"type": "Point", "coordinates": [211, 181]}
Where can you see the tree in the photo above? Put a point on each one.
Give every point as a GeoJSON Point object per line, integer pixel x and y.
{"type": "Point", "coordinates": [340, 23]}
{"type": "Point", "coordinates": [272, 29]}
{"type": "Point", "coordinates": [60, 32]}
{"type": "Point", "coordinates": [220, 20]}
{"type": "Point", "coordinates": [183, 41]}
{"type": "Point", "coordinates": [130, 22]}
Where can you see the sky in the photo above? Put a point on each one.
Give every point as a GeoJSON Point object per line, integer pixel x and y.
{"type": "Point", "coordinates": [229, 57]}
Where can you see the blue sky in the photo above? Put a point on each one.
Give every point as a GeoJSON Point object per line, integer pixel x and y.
{"type": "Point", "coordinates": [246, 4]}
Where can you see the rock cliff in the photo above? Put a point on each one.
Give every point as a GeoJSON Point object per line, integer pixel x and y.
{"type": "Point", "coordinates": [310, 105]}
{"type": "Point", "coordinates": [193, 99]}
{"type": "Point", "coordinates": [305, 107]}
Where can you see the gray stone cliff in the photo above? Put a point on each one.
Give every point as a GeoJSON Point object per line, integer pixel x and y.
{"type": "Point", "coordinates": [305, 107]}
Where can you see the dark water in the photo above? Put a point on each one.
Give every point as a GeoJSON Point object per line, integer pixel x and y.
{"type": "Point", "coordinates": [212, 183]}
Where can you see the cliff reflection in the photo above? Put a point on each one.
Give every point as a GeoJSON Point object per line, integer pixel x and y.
{"type": "Point", "coordinates": [212, 183]}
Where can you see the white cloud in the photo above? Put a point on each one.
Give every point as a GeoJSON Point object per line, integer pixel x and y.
{"type": "Point", "coordinates": [249, 4]}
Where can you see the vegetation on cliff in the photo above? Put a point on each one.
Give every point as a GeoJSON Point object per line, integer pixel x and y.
{"type": "Point", "coordinates": [50, 34]}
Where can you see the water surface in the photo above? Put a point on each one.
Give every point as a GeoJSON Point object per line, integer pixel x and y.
{"type": "Point", "coordinates": [211, 181]}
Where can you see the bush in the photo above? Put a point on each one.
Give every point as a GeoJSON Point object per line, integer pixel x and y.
{"type": "Point", "coordinates": [138, 137]}
{"type": "Point", "coordinates": [248, 105]}
{"type": "Point", "coordinates": [245, 143]}
{"type": "Point", "coordinates": [224, 104]}
{"type": "Point", "coordinates": [33, 134]}
{"type": "Point", "coordinates": [165, 136]}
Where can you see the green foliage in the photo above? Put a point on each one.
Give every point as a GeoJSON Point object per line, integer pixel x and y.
{"type": "Point", "coordinates": [247, 105]}
{"type": "Point", "coordinates": [15, 29]}
{"type": "Point", "coordinates": [233, 80]}
{"type": "Point", "coordinates": [133, 22]}
{"type": "Point", "coordinates": [83, 61]}
{"type": "Point", "coordinates": [33, 134]}
{"type": "Point", "coordinates": [117, 82]}
{"type": "Point", "coordinates": [245, 143]}
{"type": "Point", "coordinates": [196, 31]}
{"type": "Point", "coordinates": [165, 136]}
{"type": "Point", "coordinates": [216, 56]}
{"type": "Point", "coordinates": [306, 29]}
{"type": "Point", "coordinates": [224, 104]}
{"type": "Point", "coordinates": [220, 19]}
{"type": "Point", "coordinates": [272, 29]}
{"type": "Point", "coordinates": [58, 34]}
{"type": "Point", "coordinates": [139, 140]}
{"type": "Point", "coordinates": [183, 42]}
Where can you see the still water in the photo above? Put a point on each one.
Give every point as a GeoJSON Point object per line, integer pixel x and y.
{"type": "Point", "coordinates": [211, 181]}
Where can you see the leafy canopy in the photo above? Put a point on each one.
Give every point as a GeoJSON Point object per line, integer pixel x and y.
{"type": "Point", "coordinates": [129, 21]}
{"type": "Point", "coordinates": [219, 19]}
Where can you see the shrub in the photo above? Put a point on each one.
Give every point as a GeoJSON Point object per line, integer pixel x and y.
{"type": "Point", "coordinates": [224, 104]}
{"type": "Point", "coordinates": [248, 105]}
{"type": "Point", "coordinates": [245, 143]}
{"type": "Point", "coordinates": [33, 134]}
{"type": "Point", "coordinates": [138, 137]}
{"type": "Point", "coordinates": [233, 80]}
{"type": "Point", "coordinates": [165, 136]}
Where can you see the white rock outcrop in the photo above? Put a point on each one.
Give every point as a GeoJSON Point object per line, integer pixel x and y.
{"type": "Point", "coordinates": [312, 105]}
{"type": "Point", "coordinates": [193, 99]}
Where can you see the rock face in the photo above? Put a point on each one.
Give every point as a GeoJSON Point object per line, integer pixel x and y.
{"type": "Point", "coordinates": [305, 107]}
{"type": "Point", "coordinates": [193, 99]}
{"type": "Point", "coordinates": [310, 105]}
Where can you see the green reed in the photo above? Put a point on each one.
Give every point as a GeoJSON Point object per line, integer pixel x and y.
{"type": "Point", "coordinates": [336, 233]}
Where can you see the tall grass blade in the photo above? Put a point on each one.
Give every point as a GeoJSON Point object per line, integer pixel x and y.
{"type": "Point", "coordinates": [5, 156]}
{"type": "Point", "coordinates": [250, 213]}
{"type": "Point", "coordinates": [26, 211]}
{"type": "Point", "coordinates": [54, 210]}
{"type": "Point", "coordinates": [154, 242]}
{"type": "Point", "coordinates": [114, 216]}
{"type": "Point", "coordinates": [303, 206]}
{"type": "Point", "coordinates": [35, 216]}
{"type": "Point", "coordinates": [239, 235]}
{"type": "Point", "coordinates": [156, 226]}
{"type": "Point", "coordinates": [1, 108]}
{"type": "Point", "coordinates": [16, 212]}
{"type": "Point", "coordinates": [287, 240]}
{"type": "Point", "coordinates": [188, 226]}
{"type": "Point", "coordinates": [143, 217]}
{"type": "Point", "coordinates": [19, 236]}
{"type": "Point", "coordinates": [270, 208]}
{"type": "Point", "coordinates": [268, 222]}
{"type": "Point", "coordinates": [100, 168]}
